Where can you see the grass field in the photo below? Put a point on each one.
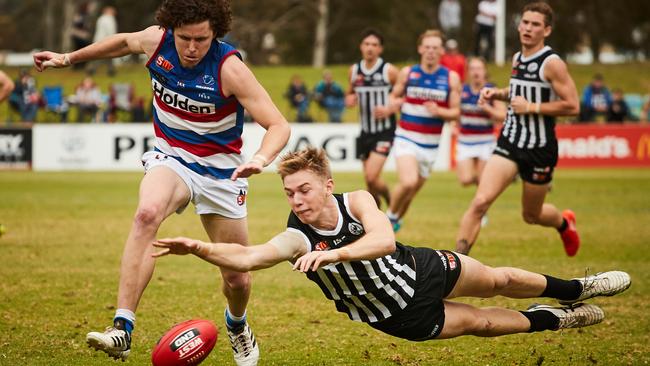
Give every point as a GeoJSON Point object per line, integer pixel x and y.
{"type": "Point", "coordinates": [631, 78]}
{"type": "Point", "coordinates": [65, 231]}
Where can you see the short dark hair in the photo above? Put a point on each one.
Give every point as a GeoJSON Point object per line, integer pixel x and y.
{"type": "Point", "coordinates": [542, 8]}
{"type": "Point", "coordinates": [372, 32]}
{"type": "Point", "coordinates": [175, 13]}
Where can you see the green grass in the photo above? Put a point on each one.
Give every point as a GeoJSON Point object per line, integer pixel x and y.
{"type": "Point", "coordinates": [631, 78]}
{"type": "Point", "coordinates": [65, 232]}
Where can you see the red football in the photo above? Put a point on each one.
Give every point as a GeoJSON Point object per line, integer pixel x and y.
{"type": "Point", "coordinates": [187, 343]}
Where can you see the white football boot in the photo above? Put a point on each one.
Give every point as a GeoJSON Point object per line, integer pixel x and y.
{"type": "Point", "coordinates": [576, 316]}
{"type": "Point", "coordinates": [244, 346]}
{"type": "Point", "coordinates": [115, 342]}
{"type": "Point", "coordinates": [601, 284]}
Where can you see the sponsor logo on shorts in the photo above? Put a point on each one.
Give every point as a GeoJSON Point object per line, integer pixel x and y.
{"type": "Point", "coordinates": [355, 229]}
{"type": "Point", "coordinates": [320, 246]}
{"type": "Point", "coordinates": [435, 330]}
{"type": "Point", "coordinates": [541, 173]}
{"type": "Point", "coordinates": [164, 63]}
{"type": "Point", "coordinates": [241, 197]}
{"type": "Point", "coordinates": [443, 259]}
{"type": "Point", "coordinates": [452, 260]}
{"type": "Point", "coordinates": [502, 151]}
{"type": "Point", "coordinates": [383, 147]}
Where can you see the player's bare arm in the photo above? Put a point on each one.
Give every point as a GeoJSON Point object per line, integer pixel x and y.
{"type": "Point", "coordinates": [121, 44]}
{"type": "Point", "coordinates": [237, 80]}
{"type": "Point", "coordinates": [453, 111]}
{"type": "Point", "coordinates": [284, 246]}
{"type": "Point", "coordinates": [497, 110]}
{"type": "Point", "coordinates": [567, 103]}
{"type": "Point", "coordinates": [396, 97]}
{"type": "Point", "coordinates": [378, 240]}
{"type": "Point", "coordinates": [489, 94]}
{"type": "Point", "coordinates": [6, 86]}
{"type": "Point", "coordinates": [350, 95]}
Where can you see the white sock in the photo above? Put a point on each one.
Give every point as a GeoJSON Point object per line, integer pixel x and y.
{"type": "Point", "coordinates": [126, 314]}
{"type": "Point", "coordinates": [391, 215]}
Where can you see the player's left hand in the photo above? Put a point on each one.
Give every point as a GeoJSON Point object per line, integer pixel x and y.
{"type": "Point", "coordinates": [519, 105]}
{"type": "Point", "coordinates": [316, 259]}
{"type": "Point", "coordinates": [432, 107]}
{"type": "Point", "coordinates": [178, 246]}
{"type": "Point", "coordinates": [247, 169]}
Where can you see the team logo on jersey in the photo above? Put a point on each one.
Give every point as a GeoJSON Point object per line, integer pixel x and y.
{"type": "Point", "coordinates": [162, 62]}
{"type": "Point", "coordinates": [208, 79]}
{"type": "Point", "coordinates": [377, 76]}
{"type": "Point", "coordinates": [241, 197]}
{"type": "Point", "coordinates": [532, 67]}
{"type": "Point", "coordinates": [320, 246]}
{"type": "Point", "coordinates": [355, 229]}
{"type": "Point", "coordinates": [414, 75]}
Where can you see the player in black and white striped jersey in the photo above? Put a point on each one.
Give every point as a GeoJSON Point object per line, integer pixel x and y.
{"type": "Point", "coordinates": [346, 245]}
{"type": "Point", "coordinates": [371, 81]}
{"type": "Point", "coordinates": [540, 90]}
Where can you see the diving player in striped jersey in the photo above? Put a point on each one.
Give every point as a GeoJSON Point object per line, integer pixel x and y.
{"type": "Point", "coordinates": [371, 81]}
{"type": "Point", "coordinates": [427, 95]}
{"type": "Point", "coordinates": [346, 245]}
{"type": "Point", "coordinates": [476, 138]}
{"type": "Point", "coordinates": [540, 90]}
{"type": "Point", "coordinates": [201, 88]}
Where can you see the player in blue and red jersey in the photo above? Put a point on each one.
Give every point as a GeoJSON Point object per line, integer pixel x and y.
{"type": "Point", "coordinates": [427, 94]}
{"type": "Point", "coordinates": [201, 88]}
{"type": "Point", "coordinates": [476, 137]}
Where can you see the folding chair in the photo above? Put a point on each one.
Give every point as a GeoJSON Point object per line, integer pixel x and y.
{"type": "Point", "coordinates": [55, 102]}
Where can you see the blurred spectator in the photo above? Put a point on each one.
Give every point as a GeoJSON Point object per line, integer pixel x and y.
{"type": "Point", "coordinates": [88, 99]}
{"type": "Point", "coordinates": [106, 26]}
{"type": "Point", "coordinates": [6, 86]}
{"type": "Point", "coordinates": [80, 32]}
{"type": "Point", "coordinates": [485, 23]}
{"type": "Point", "coordinates": [449, 17]}
{"type": "Point", "coordinates": [299, 98]}
{"type": "Point", "coordinates": [139, 112]}
{"type": "Point", "coordinates": [122, 100]}
{"type": "Point", "coordinates": [595, 100]}
{"type": "Point", "coordinates": [618, 110]}
{"type": "Point", "coordinates": [25, 98]}
{"type": "Point", "coordinates": [454, 60]}
{"type": "Point", "coordinates": [330, 96]}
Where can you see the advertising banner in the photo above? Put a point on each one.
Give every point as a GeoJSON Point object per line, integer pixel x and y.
{"type": "Point", "coordinates": [15, 148]}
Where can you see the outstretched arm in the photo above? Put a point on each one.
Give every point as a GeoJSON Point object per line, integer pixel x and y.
{"type": "Point", "coordinates": [378, 241]}
{"type": "Point", "coordinates": [117, 45]}
{"type": "Point", "coordinates": [284, 246]}
{"type": "Point", "coordinates": [6, 86]}
{"type": "Point", "coordinates": [238, 80]}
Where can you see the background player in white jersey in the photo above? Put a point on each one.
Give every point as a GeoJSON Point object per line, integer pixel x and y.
{"type": "Point", "coordinates": [344, 244]}
{"type": "Point", "coordinates": [476, 138]}
{"type": "Point", "coordinates": [200, 93]}
{"type": "Point", "coordinates": [427, 94]}
{"type": "Point", "coordinates": [540, 89]}
{"type": "Point", "coordinates": [371, 81]}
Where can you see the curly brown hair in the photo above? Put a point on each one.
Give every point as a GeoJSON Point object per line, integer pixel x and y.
{"type": "Point", "coordinates": [175, 13]}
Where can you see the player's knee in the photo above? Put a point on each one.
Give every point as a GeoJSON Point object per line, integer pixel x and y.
{"type": "Point", "coordinates": [502, 280]}
{"type": "Point", "coordinates": [480, 326]}
{"type": "Point", "coordinates": [530, 217]}
{"type": "Point", "coordinates": [467, 181]}
{"type": "Point", "coordinates": [237, 281]}
{"type": "Point", "coordinates": [481, 204]}
{"type": "Point", "coordinates": [409, 184]}
{"type": "Point", "coordinates": [147, 216]}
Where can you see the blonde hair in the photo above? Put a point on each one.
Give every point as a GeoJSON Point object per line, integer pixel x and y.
{"type": "Point", "coordinates": [431, 33]}
{"type": "Point", "coordinates": [311, 159]}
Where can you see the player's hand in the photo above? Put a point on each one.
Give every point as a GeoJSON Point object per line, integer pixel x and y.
{"type": "Point", "coordinates": [247, 169]}
{"type": "Point", "coordinates": [432, 107]}
{"type": "Point", "coordinates": [350, 100]}
{"type": "Point", "coordinates": [381, 111]}
{"type": "Point", "coordinates": [45, 59]}
{"type": "Point", "coordinates": [520, 105]}
{"type": "Point", "coordinates": [316, 259]}
{"type": "Point", "coordinates": [487, 94]}
{"type": "Point", "coordinates": [178, 246]}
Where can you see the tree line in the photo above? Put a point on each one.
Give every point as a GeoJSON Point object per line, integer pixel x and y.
{"type": "Point", "coordinates": [327, 31]}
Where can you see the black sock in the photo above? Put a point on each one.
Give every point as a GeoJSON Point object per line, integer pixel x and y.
{"type": "Point", "coordinates": [541, 320]}
{"type": "Point", "coordinates": [564, 225]}
{"type": "Point", "coordinates": [561, 289]}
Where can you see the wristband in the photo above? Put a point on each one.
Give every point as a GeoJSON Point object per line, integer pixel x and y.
{"type": "Point", "coordinates": [66, 60]}
{"type": "Point", "coordinates": [527, 108]}
{"type": "Point", "coordinates": [260, 159]}
{"type": "Point", "coordinates": [537, 107]}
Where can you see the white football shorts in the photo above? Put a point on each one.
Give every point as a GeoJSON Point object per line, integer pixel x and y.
{"type": "Point", "coordinates": [425, 157]}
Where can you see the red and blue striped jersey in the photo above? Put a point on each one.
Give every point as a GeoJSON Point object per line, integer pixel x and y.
{"type": "Point", "coordinates": [475, 124]}
{"type": "Point", "coordinates": [193, 121]}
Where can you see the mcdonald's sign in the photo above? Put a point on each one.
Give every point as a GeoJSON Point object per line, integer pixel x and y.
{"type": "Point", "coordinates": [643, 147]}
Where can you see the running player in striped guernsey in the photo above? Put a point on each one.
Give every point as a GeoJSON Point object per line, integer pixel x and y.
{"type": "Point", "coordinates": [371, 81]}
{"type": "Point", "coordinates": [476, 138]}
{"type": "Point", "coordinates": [540, 90]}
{"type": "Point", "coordinates": [427, 94]}
{"type": "Point", "coordinates": [201, 87]}
{"type": "Point", "coordinates": [344, 244]}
